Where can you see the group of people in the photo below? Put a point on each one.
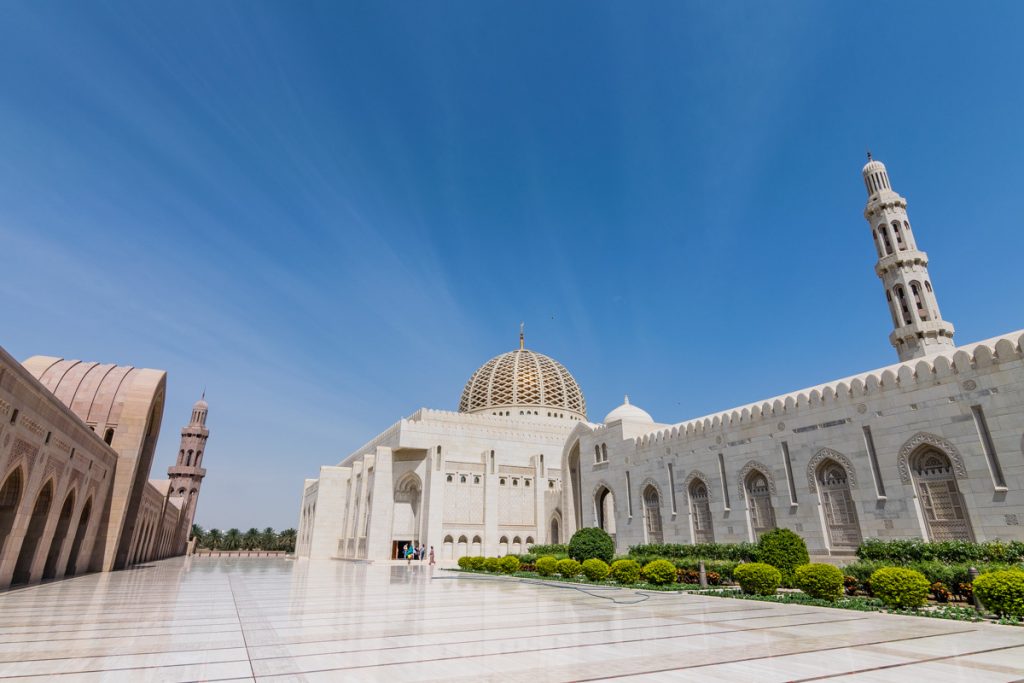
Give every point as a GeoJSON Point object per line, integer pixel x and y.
{"type": "Point", "coordinates": [412, 552]}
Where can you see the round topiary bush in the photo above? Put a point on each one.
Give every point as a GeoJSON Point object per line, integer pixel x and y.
{"type": "Point", "coordinates": [568, 568]}
{"type": "Point", "coordinates": [509, 564]}
{"type": "Point", "coordinates": [758, 578]}
{"type": "Point", "coordinates": [591, 542]}
{"type": "Point", "coordinates": [784, 550]}
{"type": "Point", "coordinates": [821, 581]}
{"type": "Point", "coordinates": [899, 587]}
{"type": "Point", "coordinates": [625, 572]}
{"type": "Point", "coordinates": [477, 562]}
{"type": "Point", "coordinates": [660, 572]}
{"type": "Point", "coordinates": [1002, 592]}
{"type": "Point", "coordinates": [595, 569]}
{"type": "Point", "coordinates": [492, 564]}
{"type": "Point", "coordinates": [464, 562]}
{"type": "Point", "coordinates": [546, 566]}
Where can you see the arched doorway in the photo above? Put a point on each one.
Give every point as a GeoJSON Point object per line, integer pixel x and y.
{"type": "Point", "coordinates": [942, 504]}
{"type": "Point", "coordinates": [575, 485]}
{"type": "Point", "coordinates": [448, 548]}
{"type": "Point", "coordinates": [838, 507]}
{"type": "Point", "coordinates": [554, 537]}
{"type": "Point", "coordinates": [59, 534]}
{"type": "Point", "coordinates": [34, 534]}
{"type": "Point", "coordinates": [759, 503]}
{"type": "Point", "coordinates": [405, 520]}
{"type": "Point", "coordinates": [604, 504]}
{"type": "Point", "coordinates": [652, 515]}
{"type": "Point", "coordinates": [10, 498]}
{"type": "Point", "coordinates": [700, 512]}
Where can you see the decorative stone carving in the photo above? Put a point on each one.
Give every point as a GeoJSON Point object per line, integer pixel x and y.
{"type": "Point", "coordinates": [760, 467]}
{"type": "Point", "coordinates": [924, 438]}
{"type": "Point", "coordinates": [829, 454]}
{"type": "Point", "coordinates": [697, 474]}
{"type": "Point", "coordinates": [969, 385]}
{"type": "Point", "coordinates": [862, 408]}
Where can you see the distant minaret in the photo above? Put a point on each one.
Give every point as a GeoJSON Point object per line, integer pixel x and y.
{"type": "Point", "coordinates": [187, 474]}
{"type": "Point", "coordinates": [919, 329]}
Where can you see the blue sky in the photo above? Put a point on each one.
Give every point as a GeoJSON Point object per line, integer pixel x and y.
{"type": "Point", "coordinates": [329, 214]}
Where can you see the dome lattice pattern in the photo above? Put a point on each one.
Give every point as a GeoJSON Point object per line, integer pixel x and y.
{"type": "Point", "coordinates": [523, 378]}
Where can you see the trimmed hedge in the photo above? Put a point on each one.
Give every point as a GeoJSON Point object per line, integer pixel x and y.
{"type": "Point", "coordinates": [822, 581]}
{"type": "Point", "coordinates": [552, 549]}
{"type": "Point", "coordinates": [591, 542]}
{"type": "Point", "coordinates": [625, 571]}
{"type": "Point", "coordinates": [758, 578]}
{"type": "Point", "coordinates": [947, 573]}
{"type": "Point", "coordinates": [1002, 592]}
{"type": "Point", "coordinates": [477, 563]}
{"type": "Point", "coordinates": [735, 552]}
{"type": "Point", "coordinates": [492, 564]}
{"type": "Point", "coordinates": [568, 568]}
{"type": "Point", "coordinates": [900, 588]}
{"type": "Point", "coordinates": [509, 564]}
{"type": "Point", "coordinates": [784, 550]}
{"type": "Point", "coordinates": [547, 566]}
{"type": "Point", "coordinates": [595, 569]}
{"type": "Point", "coordinates": [724, 568]}
{"type": "Point", "coordinates": [463, 562]}
{"type": "Point", "coordinates": [915, 550]}
{"type": "Point", "coordinates": [660, 572]}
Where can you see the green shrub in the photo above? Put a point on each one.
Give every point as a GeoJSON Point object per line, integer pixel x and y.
{"type": "Point", "coordinates": [464, 562]}
{"type": "Point", "coordinates": [660, 572]}
{"type": "Point", "coordinates": [758, 578]}
{"type": "Point", "coordinates": [546, 566]}
{"type": "Point", "coordinates": [899, 587]}
{"type": "Point", "coordinates": [735, 552]}
{"type": "Point", "coordinates": [477, 562]}
{"type": "Point", "coordinates": [1002, 592]}
{"type": "Point", "coordinates": [784, 550]}
{"type": "Point", "coordinates": [904, 552]}
{"type": "Point", "coordinates": [821, 581]}
{"type": "Point", "coordinates": [552, 549]}
{"type": "Point", "coordinates": [591, 542]}
{"type": "Point", "coordinates": [527, 558]}
{"type": "Point", "coordinates": [568, 568]}
{"type": "Point", "coordinates": [951, 574]}
{"type": "Point", "coordinates": [595, 569]}
{"type": "Point", "coordinates": [625, 571]}
{"type": "Point", "coordinates": [509, 564]}
{"type": "Point", "coordinates": [492, 564]}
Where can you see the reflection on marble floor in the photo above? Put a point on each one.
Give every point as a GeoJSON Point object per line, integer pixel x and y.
{"type": "Point", "coordinates": [273, 619]}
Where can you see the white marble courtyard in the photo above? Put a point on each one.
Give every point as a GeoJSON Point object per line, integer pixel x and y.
{"type": "Point", "coordinates": [180, 620]}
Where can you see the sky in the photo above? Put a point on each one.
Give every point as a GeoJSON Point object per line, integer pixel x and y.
{"type": "Point", "coordinates": [328, 214]}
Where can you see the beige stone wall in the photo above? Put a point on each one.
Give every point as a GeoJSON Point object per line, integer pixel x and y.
{"type": "Point", "coordinates": [928, 404]}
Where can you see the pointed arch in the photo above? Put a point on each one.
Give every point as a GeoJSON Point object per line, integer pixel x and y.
{"type": "Point", "coordinates": [10, 499]}
{"type": "Point", "coordinates": [829, 454]}
{"type": "Point", "coordinates": [751, 466]}
{"type": "Point", "coordinates": [922, 438]}
{"type": "Point", "coordinates": [60, 533]}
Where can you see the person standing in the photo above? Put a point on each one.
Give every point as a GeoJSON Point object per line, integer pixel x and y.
{"type": "Point", "coordinates": [432, 563]}
{"type": "Point", "coordinates": [407, 553]}
{"type": "Point", "coordinates": [423, 552]}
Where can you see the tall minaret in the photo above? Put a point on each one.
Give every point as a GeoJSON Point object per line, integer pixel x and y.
{"type": "Point", "coordinates": [187, 474]}
{"type": "Point", "coordinates": [919, 329]}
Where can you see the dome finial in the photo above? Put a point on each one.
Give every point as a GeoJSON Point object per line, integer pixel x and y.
{"type": "Point", "coordinates": [522, 336]}
{"type": "Point", "coordinates": [626, 400]}
{"type": "Point", "coordinates": [869, 153]}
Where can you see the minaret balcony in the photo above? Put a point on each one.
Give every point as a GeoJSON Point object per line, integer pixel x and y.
{"type": "Point", "coordinates": [899, 259]}
{"type": "Point", "coordinates": [186, 471]}
{"type": "Point", "coordinates": [926, 328]}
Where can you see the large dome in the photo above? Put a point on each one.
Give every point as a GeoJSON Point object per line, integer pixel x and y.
{"type": "Point", "coordinates": [523, 381]}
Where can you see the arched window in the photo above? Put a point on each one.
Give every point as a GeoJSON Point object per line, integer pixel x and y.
{"type": "Point", "coordinates": [604, 452]}
{"type": "Point", "coordinates": [942, 503]}
{"type": "Point", "coordinates": [188, 458]}
{"type": "Point", "coordinates": [462, 548]}
{"type": "Point", "coordinates": [503, 546]}
{"type": "Point", "coordinates": [892, 309]}
{"type": "Point", "coordinates": [837, 504]}
{"type": "Point", "coordinates": [652, 515]}
{"type": "Point", "coordinates": [898, 232]}
{"type": "Point", "coordinates": [759, 503]}
{"type": "Point", "coordinates": [922, 310]}
{"type": "Point", "coordinates": [878, 243]}
{"type": "Point", "coordinates": [883, 232]}
{"type": "Point", "coordinates": [108, 436]}
{"type": "Point", "coordinates": [901, 297]}
{"type": "Point", "coordinates": [448, 548]}
{"type": "Point", "coordinates": [517, 545]}
{"type": "Point", "coordinates": [597, 453]}
{"type": "Point", "coordinates": [477, 548]}
{"type": "Point", "coordinates": [700, 512]}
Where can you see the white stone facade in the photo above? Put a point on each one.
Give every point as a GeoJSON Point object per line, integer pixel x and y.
{"type": "Point", "coordinates": [932, 447]}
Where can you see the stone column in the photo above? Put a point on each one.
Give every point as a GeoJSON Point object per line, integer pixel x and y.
{"type": "Point", "coordinates": [433, 501]}
{"type": "Point", "coordinates": [382, 506]}
{"type": "Point", "coordinates": [490, 544]}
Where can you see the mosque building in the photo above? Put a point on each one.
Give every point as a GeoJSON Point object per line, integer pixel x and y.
{"type": "Point", "coordinates": [931, 447]}
{"type": "Point", "coordinates": [77, 442]}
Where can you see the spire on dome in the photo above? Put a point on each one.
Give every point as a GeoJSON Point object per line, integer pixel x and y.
{"type": "Point", "coordinates": [626, 400]}
{"type": "Point", "coordinates": [522, 336]}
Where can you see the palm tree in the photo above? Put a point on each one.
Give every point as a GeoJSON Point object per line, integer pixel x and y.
{"type": "Point", "coordinates": [286, 540]}
{"type": "Point", "coordinates": [232, 539]}
{"type": "Point", "coordinates": [251, 539]}
{"type": "Point", "coordinates": [213, 539]}
{"type": "Point", "coordinates": [268, 539]}
{"type": "Point", "coordinates": [198, 533]}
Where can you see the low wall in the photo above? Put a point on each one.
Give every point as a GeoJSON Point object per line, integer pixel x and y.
{"type": "Point", "coordinates": [205, 552]}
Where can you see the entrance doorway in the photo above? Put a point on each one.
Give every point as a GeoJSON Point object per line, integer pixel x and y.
{"type": "Point", "coordinates": [397, 547]}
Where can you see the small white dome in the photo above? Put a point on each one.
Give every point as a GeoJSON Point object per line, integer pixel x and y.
{"type": "Point", "coordinates": [629, 413]}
